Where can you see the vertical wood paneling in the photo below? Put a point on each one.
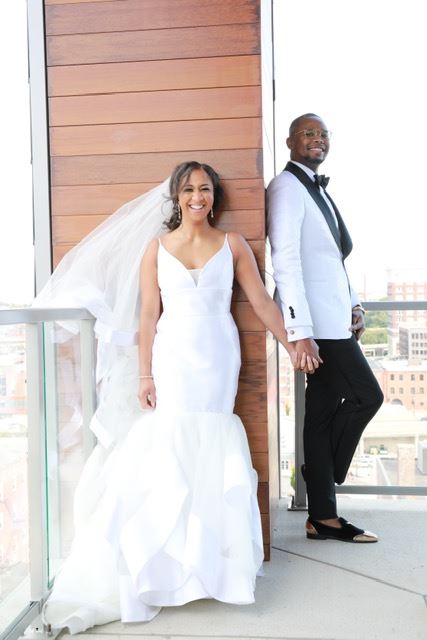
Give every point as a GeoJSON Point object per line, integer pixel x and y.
{"type": "Point", "coordinates": [137, 86]}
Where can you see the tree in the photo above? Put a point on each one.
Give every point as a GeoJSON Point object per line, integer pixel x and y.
{"type": "Point", "coordinates": [376, 319]}
{"type": "Point", "coordinates": [374, 336]}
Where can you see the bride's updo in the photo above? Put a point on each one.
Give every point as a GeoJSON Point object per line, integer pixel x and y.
{"type": "Point", "coordinates": [183, 172]}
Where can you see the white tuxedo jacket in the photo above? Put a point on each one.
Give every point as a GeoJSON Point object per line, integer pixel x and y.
{"type": "Point", "coordinates": [315, 294]}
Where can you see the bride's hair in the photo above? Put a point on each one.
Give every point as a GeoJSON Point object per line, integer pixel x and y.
{"type": "Point", "coordinates": [180, 173]}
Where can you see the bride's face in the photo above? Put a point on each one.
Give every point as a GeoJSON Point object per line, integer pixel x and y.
{"type": "Point", "coordinates": [196, 196]}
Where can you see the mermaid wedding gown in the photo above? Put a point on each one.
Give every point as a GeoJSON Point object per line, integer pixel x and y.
{"type": "Point", "coordinates": [175, 517]}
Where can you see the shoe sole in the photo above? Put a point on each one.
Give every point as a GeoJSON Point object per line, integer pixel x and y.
{"type": "Point", "coordinates": [317, 536]}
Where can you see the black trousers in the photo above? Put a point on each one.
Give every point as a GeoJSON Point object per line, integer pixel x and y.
{"type": "Point", "coordinates": [341, 398]}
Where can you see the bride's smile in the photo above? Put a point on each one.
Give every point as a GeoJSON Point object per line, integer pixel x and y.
{"type": "Point", "coordinates": [196, 196]}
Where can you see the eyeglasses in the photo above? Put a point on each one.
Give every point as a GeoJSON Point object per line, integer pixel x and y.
{"type": "Point", "coordinates": [315, 133]}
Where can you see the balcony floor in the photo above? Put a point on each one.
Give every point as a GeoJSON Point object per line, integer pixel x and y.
{"type": "Point", "coordinates": [319, 590]}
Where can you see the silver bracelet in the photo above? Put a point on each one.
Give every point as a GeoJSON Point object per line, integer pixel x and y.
{"type": "Point", "coordinates": [141, 377]}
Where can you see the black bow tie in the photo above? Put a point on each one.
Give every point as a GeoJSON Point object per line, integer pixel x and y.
{"type": "Point", "coordinates": [321, 181]}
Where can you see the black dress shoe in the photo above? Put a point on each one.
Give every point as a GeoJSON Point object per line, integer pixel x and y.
{"type": "Point", "coordinates": [315, 530]}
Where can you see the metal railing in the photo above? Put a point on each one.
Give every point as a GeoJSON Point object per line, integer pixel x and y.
{"type": "Point", "coordinates": [40, 364]}
{"type": "Point", "coordinates": [299, 500]}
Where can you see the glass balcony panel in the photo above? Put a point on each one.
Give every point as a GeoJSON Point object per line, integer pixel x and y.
{"type": "Point", "coordinates": [391, 459]}
{"type": "Point", "coordinates": [393, 447]}
{"type": "Point", "coordinates": [66, 446]}
{"type": "Point", "coordinates": [14, 518]}
{"type": "Point", "coordinates": [287, 424]}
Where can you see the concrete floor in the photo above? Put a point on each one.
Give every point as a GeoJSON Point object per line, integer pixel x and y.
{"type": "Point", "coordinates": [319, 590]}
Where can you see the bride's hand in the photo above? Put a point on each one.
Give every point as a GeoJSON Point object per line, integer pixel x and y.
{"type": "Point", "coordinates": [147, 393]}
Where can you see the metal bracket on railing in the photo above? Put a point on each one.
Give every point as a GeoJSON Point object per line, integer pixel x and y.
{"type": "Point", "coordinates": [38, 630]}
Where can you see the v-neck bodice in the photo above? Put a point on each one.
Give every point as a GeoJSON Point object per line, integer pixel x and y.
{"type": "Point", "coordinates": [196, 353]}
{"type": "Point", "coordinates": [210, 295]}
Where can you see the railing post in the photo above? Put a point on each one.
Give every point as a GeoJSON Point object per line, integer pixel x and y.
{"type": "Point", "coordinates": [300, 497]}
{"type": "Point", "coordinates": [87, 372]}
{"type": "Point", "coordinates": [53, 509]}
{"type": "Point", "coordinates": [36, 462]}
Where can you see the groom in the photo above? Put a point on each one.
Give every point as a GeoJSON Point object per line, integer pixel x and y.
{"type": "Point", "coordinates": [324, 317]}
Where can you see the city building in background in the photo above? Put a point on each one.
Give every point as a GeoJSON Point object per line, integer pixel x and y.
{"type": "Point", "coordinates": [405, 285]}
{"type": "Point", "coordinates": [14, 549]}
{"type": "Point", "coordinates": [403, 382]}
{"type": "Point", "coordinates": [413, 342]}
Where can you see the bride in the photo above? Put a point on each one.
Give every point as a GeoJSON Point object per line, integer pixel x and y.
{"type": "Point", "coordinates": [166, 509]}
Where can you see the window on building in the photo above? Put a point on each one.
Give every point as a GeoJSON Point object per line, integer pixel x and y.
{"type": "Point", "coordinates": [392, 390]}
{"type": "Point", "coordinates": [421, 376]}
{"type": "Point", "coordinates": [412, 389]}
{"type": "Point", "coordinates": [401, 391]}
{"type": "Point", "coordinates": [392, 376]}
{"type": "Point", "coordinates": [421, 390]}
{"type": "Point", "coordinates": [412, 376]}
{"type": "Point", "coordinates": [400, 376]}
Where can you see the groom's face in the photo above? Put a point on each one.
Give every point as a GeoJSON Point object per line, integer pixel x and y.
{"type": "Point", "coordinates": [309, 144]}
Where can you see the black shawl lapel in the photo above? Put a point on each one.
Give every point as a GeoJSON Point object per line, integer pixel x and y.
{"type": "Point", "coordinates": [340, 235]}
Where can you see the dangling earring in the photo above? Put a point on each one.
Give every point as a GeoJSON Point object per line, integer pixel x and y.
{"type": "Point", "coordinates": [178, 212]}
{"type": "Point", "coordinates": [211, 213]}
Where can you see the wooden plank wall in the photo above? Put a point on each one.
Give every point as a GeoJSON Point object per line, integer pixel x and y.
{"type": "Point", "coordinates": [137, 86]}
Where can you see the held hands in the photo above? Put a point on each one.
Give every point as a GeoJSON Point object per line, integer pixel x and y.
{"type": "Point", "coordinates": [357, 322]}
{"type": "Point", "coordinates": [147, 393]}
{"type": "Point", "coordinates": [305, 356]}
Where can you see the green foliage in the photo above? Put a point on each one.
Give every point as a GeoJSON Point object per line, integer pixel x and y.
{"type": "Point", "coordinates": [374, 336]}
{"type": "Point", "coordinates": [293, 477]}
{"type": "Point", "coordinates": [376, 319]}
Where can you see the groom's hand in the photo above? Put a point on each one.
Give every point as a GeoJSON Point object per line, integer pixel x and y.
{"type": "Point", "coordinates": [357, 321]}
{"type": "Point", "coordinates": [306, 356]}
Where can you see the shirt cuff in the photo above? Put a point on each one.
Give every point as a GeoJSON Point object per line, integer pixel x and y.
{"type": "Point", "coordinates": [299, 333]}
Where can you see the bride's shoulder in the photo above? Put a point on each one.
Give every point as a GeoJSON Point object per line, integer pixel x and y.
{"type": "Point", "coordinates": [236, 240]}
{"type": "Point", "coordinates": [150, 253]}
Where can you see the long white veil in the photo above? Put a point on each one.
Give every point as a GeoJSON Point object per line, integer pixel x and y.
{"type": "Point", "coordinates": [101, 274]}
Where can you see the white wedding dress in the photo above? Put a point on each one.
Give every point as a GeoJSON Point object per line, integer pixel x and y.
{"type": "Point", "coordinates": [174, 517]}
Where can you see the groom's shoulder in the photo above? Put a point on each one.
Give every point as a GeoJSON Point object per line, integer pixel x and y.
{"type": "Point", "coordinates": [284, 180]}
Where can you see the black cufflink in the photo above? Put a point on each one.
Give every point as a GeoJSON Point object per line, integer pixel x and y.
{"type": "Point", "coordinates": [291, 309]}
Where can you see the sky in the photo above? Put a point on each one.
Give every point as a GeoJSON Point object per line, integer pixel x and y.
{"type": "Point", "coordinates": [360, 65]}
{"type": "Point", "coordinates": [16, 230]}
